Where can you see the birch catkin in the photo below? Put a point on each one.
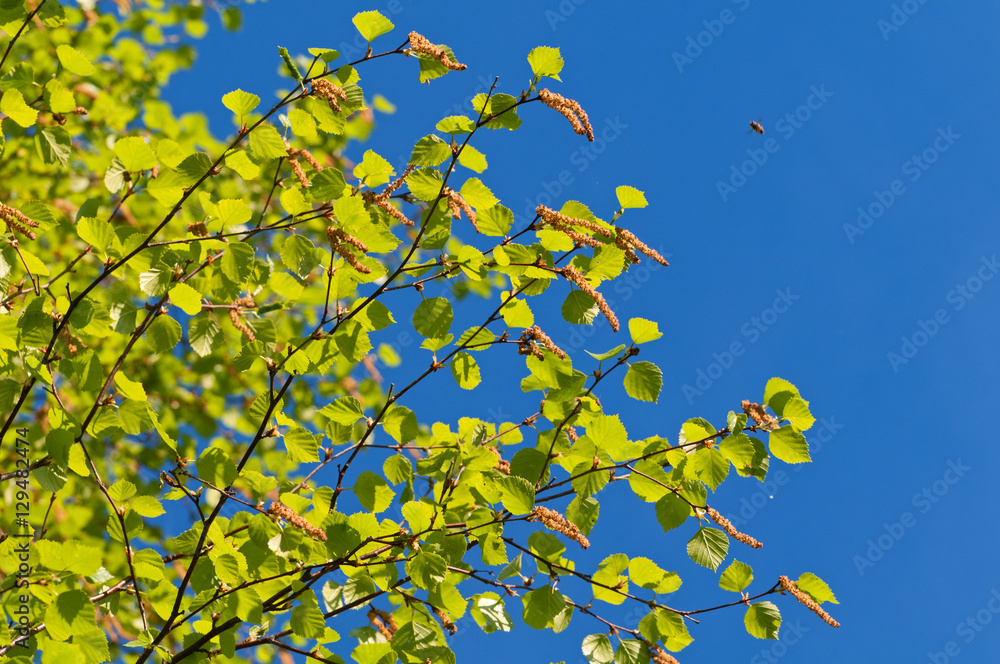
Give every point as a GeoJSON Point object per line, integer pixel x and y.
{"type": "Point", "coordinates": [807, 601]}
{"type": "Point", "coordinates": [283, 511]}
{"type": "Point", "coordinates": [569, 109]}
{"type": "Point", "coordinates": [725, 524]}
{"type": "Point", "coordinates": [420, 44]}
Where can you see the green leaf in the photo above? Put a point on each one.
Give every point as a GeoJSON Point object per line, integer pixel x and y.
{"type": "Point", "coordinates": [241, 103]}
{"type": "Point", "coordinates": [597, 647]}
{"type": "Point", "coordinates": [373, 170]}
{"type": "Point", "coordinates": [265, 143]}
{"type": "Point", "coordinates": [776, 386]}
{"type": "Point", "coordinates": [816, 588]}
{"type": "Point", "coordinates": [579, 308]}
{"type": "Point", "coordinates": [121, 491]}
{"type": "Point", "coordinates": [632, 651]}
{"type": "Point", "coordinates": [130, 389]}
{"type": "Point", "coordinates": [456, 125]}
{"type": "Point", "coordinates": [74, 61]}
{"type": "Point", "coordinates": [517, 495]}
{"type": "Point", "coordinates": [495, 222]}
{"type": "Point", "coordinates": [12, 105]}
{"type": "Point", "coordinates": [233, 211]}
{"type": "Point", "coordinates": [708, 547]}
{"type": "Point", "coordinates": [373, 492]}
{"type": "Point", "coordinates": [478, 194]}
{"type": "Point", "coordinates": [630, 197]}
{"type": "Point", "coordinates": [163, 334]}
{"type": "Point", "coordinates": [134, 154]}
{"type": "Point", "coordinates": [215, 466]}
{"type": "Point", "coordinates": [327, 185]}
{"type": "Point", "coordinates": [433, 317]}
{"type": "Point", "coordinates": [796, 411]}
{"type": "Point", "coordinates": [788, 444]}
{"type": "Point", "coordinates": [237, 262]}
{"type": "Point", "coordinates": [307, 621]}
{"type": "Point", "coordinates": [762, 620]}
{"type": "Point", "coordinates": [541, 606]}
{"type": "Point", "coordinates": [95, 232]}
{"type": "Point", "coordinates": [607, 355]}
{"type": "Point", "coordinates": [302, 445]}
{"type": "Point", "coordinates": [643, 331]}
{"type": "Point", "coordinates": [546, 61]}
{"type": "Point", "coordinates": [148, 507]}
{"type": "Point", "coordinates": [427, 569]}
{"type": "Point", "coordinates": [186, 298]}
{"type": "Point", "coordinates": [472, 159]}
{"type": "Point", "coordinates": [430, 150]}
{"type": "Point", "coordinates": [371, 24]}
{"type": "Point", "coordinates": [419, 515]}
{"type": "Point", "coordinates": [344, 411]}
{"type": "Point", "coordinates": [737, 577]}
{"type": "Point", "coordinates": [352, 340]}
{"type": "Point", "coordinates": [647, 574]}
{"type": "Point", "coordinates": [54, 145]}
{"type": "Point", "coordinates": [643, 381]}
{"type": "Point", "coordinates": [711, 466]}
{"type": "Point", "coordinates": [583, 512]}
{"type": "Point", "coordinates": [69, 615]}
{"type": "Point", "coordinates": [466, 371]}
{"type": "Point", "coordinates": [425, 184]}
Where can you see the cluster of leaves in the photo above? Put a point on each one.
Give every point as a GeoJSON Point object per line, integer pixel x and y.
{"type": "Point", "coordinates": [197, 325]}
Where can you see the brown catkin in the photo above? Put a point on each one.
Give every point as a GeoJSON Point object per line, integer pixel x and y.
{"type": "Point", "coordinates": [553, 520]}
{"type": "Point", "coordinates": [502, 465]}
{"type": "Point", "coordinates": [659, 655]}
{"type": "Point", "coordinates": [572, 275]}
{"type": "Point", "coordinates": [338, 238]}
{"type": "Point", "coordinates": [445, 621]}
{"type": "Point", "coordinates": [283, 511]}
{"type": "Point", "coordinates": [420, 44]}
{"type": "Point", "coordinates": [198, 228]}
{"type": "Point", "coordinates": [561, 221]}
{"type": "Point", "coordinates": [569, 109]}
{"type": "Point", "coordinates": [79, 110]}
{"type": "Point", "coordinates": [330, 92]}
{"type": "Point", "coordinates": [236, 310]}
{"type": "Point", "coordinates": [382, 200]}
{"type": "Point", "coordinates": [376, 617]}
{"type": "Point", "coordinates": [630, 242]}
{"type": "Point", "coordinates": [17, 221]}
{"type": "Point", "coordinates": [307, 156]}
{"type": "Point", "coordinates": [757, 413]}
{"type": "Point", "coordinates": [535, 334]}
{"type": "Point", "coordinates": [731, 529]}
{"type": "Point", "coordinates": [457, 205]}
{"type": "Point", "coordinates": [572, 434]}
{"type": "Point", "coordinates": [299, 173]}
{"type": "Point", "coordinates": [807, 601]}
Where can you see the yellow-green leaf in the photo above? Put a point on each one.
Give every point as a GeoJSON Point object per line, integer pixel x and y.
{"type": "Point", "coordinates": [12, 105]}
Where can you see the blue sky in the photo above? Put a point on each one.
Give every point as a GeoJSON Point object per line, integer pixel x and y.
{"type": "Point", "coordinates": [782, 245]}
